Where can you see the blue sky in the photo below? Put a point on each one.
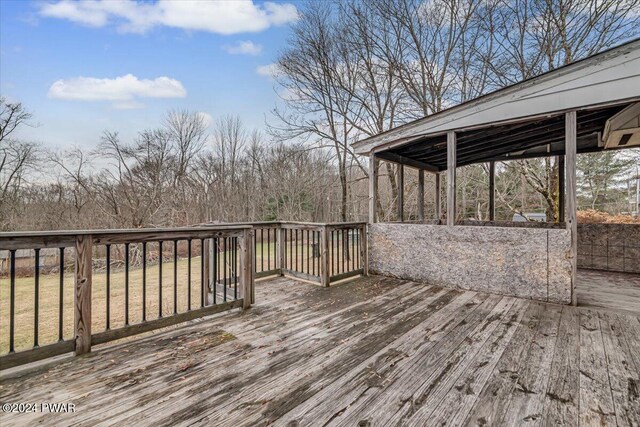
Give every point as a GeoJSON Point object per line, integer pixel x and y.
{"type": "Point", "coordinates": [82, 68]}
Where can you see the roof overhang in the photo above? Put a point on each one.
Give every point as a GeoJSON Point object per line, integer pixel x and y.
{"type": "Point", "coordinates": [596, 86]}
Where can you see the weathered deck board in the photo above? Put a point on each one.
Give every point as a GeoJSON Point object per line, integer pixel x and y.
{"type": "Point", "coordinates": [596, 399]}
{"type": "Point", "coordinates": [564, 379]}
{"type": "Point", "coordinates": [371, 352]}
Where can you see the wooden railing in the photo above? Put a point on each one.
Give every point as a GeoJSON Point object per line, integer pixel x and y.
{"type": "Point", "coordinates": [316, 252]}
{"type": "Point", "coordinates": [179, 289]}
{"type": "Point", "coordinates": [64, 292]}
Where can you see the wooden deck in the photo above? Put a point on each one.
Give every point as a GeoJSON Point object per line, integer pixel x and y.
{"type": "Point", "coordinates": [609, 290]}
{"type": "Point", "coordinates": [375, 351]}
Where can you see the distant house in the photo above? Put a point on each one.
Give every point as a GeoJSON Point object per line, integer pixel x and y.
{"type": "Point", "coordinates": [25, 259]}
{"type": "Point", "coordinates": [531, 216]}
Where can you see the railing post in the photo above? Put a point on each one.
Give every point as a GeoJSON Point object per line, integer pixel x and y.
{"type": "Point", "coordinates": [281, 242]}
{"type": "Point", "coordinates": [82, 294]}
{"type": "Point", "coordinates": [324, 256]}
{"type": "Point", "coordinates": [364, 253]}
{"type": "Point", "coordinates": [246, 267]}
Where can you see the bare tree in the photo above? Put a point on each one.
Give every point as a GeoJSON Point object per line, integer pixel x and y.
{"type": "Point", "coordinates": [17, 157]}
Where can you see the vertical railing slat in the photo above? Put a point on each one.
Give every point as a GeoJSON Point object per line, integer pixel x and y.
{"type": "Point", "coordinates": [12, 298]}
{"type": "Point", "coordinates": [126, 284]}
{"type": "Point", "coordinates": [216, 268]}
{"type": "Point", "coordinates": [144, 281]}
{"type": "Point", "coordinates": [160, 279]}
{"type": "Point", "coordinates": [108, 290]}
{"type": "Point", "coordinates": [175, 277]}
{"type": "Point", "coordinates": [36, 297]}
{"type": "Point", "coordinates": [203, 284]}
{"type": "Point", "coordinates": [189, 274]}
{"type": "Point", "coordinates": [61, 297]}
{"type": "Point", "coordinates": [224, 264]}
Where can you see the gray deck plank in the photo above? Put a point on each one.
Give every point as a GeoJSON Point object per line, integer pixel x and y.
{"type": "Point", "coordinates": [623, 377]}
{"type": "Point", "coordinates": [563, 391]}
{"type": "Point", "coordinates": [527, 401]}
{"type": "Point", "coordinates": [493, 399]}
{"type": "Point", "coordinates": [596, 400]}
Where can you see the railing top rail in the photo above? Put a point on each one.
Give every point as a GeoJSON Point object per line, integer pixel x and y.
{"type": "Point", "coordinates": [346, 224]}
{"type": "Point", "coordinates": [107, 231]}
{"type": "Point", "coordinates": [291, 224]}
{"type": "Point", "coordinates": [65, 238]}
{"type": "Point", "coordinates": [320, 224]}
{"type": "Point", "coordinates": [248, 223]}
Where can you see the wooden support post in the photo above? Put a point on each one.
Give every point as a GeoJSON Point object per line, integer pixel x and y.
{"type": "Point", "coordinates": [400, 193]}
{"type": "Point", "coordinates": [246, 267]}
{"type": "Point", "coordinates": [561, 190]}
{"type": "Point", "coordinates": [438, 203]}
{"type": "Point", "coordinates": [492, 191]}
{"type": "Point", "coordinates": [364, 253]}
{"type": "Point", "coordinates": [451, 178]}
{"type": "Point", "coordinates": [421, 195]}
{"type": "Point", "coordinates": [280, 245]}
{"type": "Point", "coordinates": [572, 223]}
{"type": "Point", "coordinates": [325, 260]}
{"type": "Point", "coordinates": [82, 294]}
{"type": "Point", "coordinates": [373, 188]}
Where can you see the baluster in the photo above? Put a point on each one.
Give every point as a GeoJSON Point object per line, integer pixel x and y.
{"type": "Point", "coordinates": [215, 269]}
{"type": "Point", "coordinates": [203, 285]}
{"type": "Point", "coordinates": [160, 279]}
{"type": "Point", "coordinates": [144, 281]}
{"type": "Point", "coordinates": [36, 298]}
{"type": "Point", "coordinates": [126, 284]}
{"type": "Point", "coordinates": [235, 268]}
{"type": "Point", "coordinates": [108, 280]}
{"type": "Point", "coordinates": [189, 274]}
{"type": "Point", "coordinates": [12, 298]}
{"type": "Point", "coordinates": [261, 249]}
{"type": "Point", "coordinates": [224, 263]}
{"type": "Point", "coordinates": [175, 277]}
{"type": "Point", "coordinates": [61, 297]}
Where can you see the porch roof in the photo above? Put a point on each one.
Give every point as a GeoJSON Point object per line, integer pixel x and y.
{"type": "Point", "coordinates": [523, 120]}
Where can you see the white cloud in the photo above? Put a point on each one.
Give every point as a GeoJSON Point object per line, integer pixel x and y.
{"type": "Point", "coordinates": [222, 17]}
{"type": "Point", "coordinates": [123, 91]}
{"type": "Point", "coordinates": [246, 47]}
{"type": "Point", "coordinates": [269, 70]}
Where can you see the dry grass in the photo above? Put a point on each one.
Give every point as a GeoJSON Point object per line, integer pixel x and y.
{"type": "Point", "coordinates": [591, 216]}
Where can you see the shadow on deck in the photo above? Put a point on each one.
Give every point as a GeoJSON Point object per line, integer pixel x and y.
{"type": "Point", "coordinates": [370, 352]}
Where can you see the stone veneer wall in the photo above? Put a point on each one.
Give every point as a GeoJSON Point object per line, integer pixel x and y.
{"type": "Point", "coordinates": [523, 262]}
{"type": "Point", "coordinates": [611, 247]}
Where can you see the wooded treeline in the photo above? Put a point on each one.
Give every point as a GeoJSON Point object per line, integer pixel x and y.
{"type": "Point", "coordinates": [350, 69]}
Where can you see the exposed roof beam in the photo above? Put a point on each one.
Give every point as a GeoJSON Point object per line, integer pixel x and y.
{"type": "Point", "coordinates": [536, 154]}
{"type": "Point", "coordinates": [396, 158]}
